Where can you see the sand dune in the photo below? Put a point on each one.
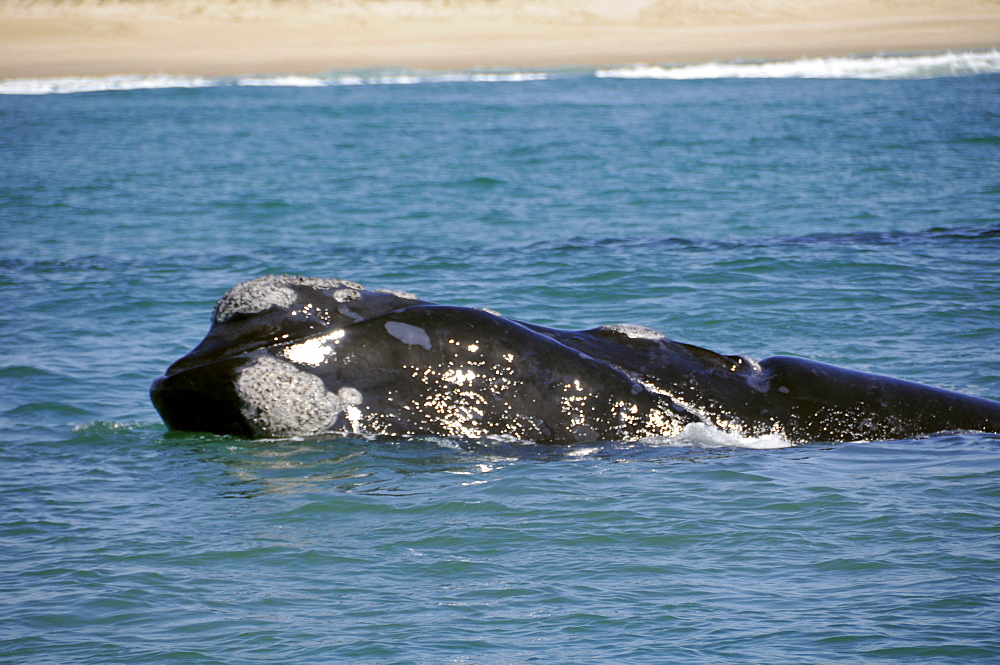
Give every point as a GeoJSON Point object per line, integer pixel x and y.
{"type": "Point", "coordinates": [219, 37]}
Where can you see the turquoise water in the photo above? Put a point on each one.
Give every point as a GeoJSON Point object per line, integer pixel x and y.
{"type": "Point", "coordinates": [849, 220]}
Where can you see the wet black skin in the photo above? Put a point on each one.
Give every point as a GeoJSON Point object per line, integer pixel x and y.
{"type": "Point", "coordinates": [466, 372]}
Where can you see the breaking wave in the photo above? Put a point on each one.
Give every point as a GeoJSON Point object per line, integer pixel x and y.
{"type": "Point", "coordinates": [872, 67]}
{"type": "Point", "coordinates": [869, 67]}
{"type": "Point", "coordinates": [65, 85]}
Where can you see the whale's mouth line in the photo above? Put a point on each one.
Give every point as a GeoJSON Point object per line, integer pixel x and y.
{"type": "Point", "coordinates": [185, 364]}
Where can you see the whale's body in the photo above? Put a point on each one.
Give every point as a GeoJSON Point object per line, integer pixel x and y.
{"type": "Point", "coordinates": [292, 356]}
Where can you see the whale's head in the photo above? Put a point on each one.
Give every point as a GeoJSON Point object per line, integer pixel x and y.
{"type": "Point", "coordinates": [221, 384]}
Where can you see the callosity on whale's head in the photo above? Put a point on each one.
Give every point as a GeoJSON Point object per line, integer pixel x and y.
{"type": "Point", "coordinates": [239, 380]}
{"type": "Point", "coordinates": [292, 356]}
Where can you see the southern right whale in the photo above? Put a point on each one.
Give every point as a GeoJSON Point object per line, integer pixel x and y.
{"type": "Point", "coordinates": [296, 356]}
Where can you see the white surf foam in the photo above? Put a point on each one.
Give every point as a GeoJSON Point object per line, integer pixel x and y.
{"type": "Point", "coordinates": [411, 78]}
{"type": "Point", "coordinates": [71, 84]}
{"type": "Point", "coordinates": [281, 81]}
{"type": "Point", "coordinates": [67, 85]}
{"type": "Point", "coordinates": [873, 67]}
{"type": "Point", "coordinates": [700, 435]}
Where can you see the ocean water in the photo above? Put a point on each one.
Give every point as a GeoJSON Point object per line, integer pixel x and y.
{"type": "Point", "coordinates": [844, 210]}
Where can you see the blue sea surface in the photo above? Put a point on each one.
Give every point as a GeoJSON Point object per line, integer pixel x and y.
{"type": "Point", "coordinates": [853, 220]}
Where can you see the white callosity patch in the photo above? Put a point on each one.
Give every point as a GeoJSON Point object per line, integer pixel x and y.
{"type": "Point", "coordinates": [252, 297]}
{"type": "Point", "coordinates": [405, 295]}
{"type": "Point", "coordinates": [258, 295]}
{"type": "Point", "coordinates": [633, 331]}
{"type": "Point", "coordinates": [352, 399]}
{"type": "Point", "coordinates": [346, 295]}
{"type": "Point", "coordinates": [313, 351]}
{"type": "Point", "coordinates": [351, 396]}
{"type": "Point", "coordinates": [280, 400]}
{"type": "Point", "coordinates": [408, 334]}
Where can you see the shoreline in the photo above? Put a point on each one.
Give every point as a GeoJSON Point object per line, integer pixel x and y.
{"type": "Point", "coordinates": [51, 39]}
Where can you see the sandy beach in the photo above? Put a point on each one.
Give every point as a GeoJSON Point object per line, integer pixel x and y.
{"type": "Point", "coordinates": [47, 38]}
